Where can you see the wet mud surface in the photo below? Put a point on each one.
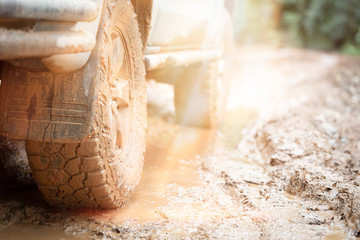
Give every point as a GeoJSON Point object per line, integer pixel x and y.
{"type": "Point", "coordinates": [283, 165]}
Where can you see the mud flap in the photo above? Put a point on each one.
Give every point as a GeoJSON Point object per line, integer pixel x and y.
{"type": "Point", "coordinates": [44, 106]}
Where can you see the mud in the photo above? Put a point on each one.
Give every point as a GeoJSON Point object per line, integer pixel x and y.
{"type": "Point", "coordinates": [312, 149]}
{"type": "Point", "coordinates": [283, 165]}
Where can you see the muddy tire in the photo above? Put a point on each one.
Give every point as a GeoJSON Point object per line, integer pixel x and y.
{"type": "Point", "coordinates": [103, 170]}
{"type": "Point", "coordinates": [198, 95]}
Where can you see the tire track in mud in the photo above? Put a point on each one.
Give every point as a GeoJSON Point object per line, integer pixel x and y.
{"type": "Point", "coordinates": [310, 149]}
{"type": "Point", "coordinates": [273, 212]}
{"type": "Point", "coordinates": [241, 198]}
{"type": "Point", "coordinates": [239, 190]}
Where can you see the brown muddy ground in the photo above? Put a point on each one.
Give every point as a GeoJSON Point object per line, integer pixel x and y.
{"type": "Point", "coordinates": [283, 165]}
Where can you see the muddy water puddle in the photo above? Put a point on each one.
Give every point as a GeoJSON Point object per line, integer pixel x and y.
{"type": "Point", "coordinates": [172, 165]}
{"type": "Point", "coordinates": [171, 187]}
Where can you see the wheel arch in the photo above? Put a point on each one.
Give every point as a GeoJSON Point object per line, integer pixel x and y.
{"type": "Point", "coordinates": [144, 10]}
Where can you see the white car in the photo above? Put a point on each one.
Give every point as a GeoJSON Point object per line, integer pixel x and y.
{"type": "Point", "coordinates": [73, 85]}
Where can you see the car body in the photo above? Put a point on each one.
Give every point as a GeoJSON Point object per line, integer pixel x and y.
{"type": "Point", "coordinates": [169, 26]}
{"type": "Point", "coordinates": [73, 85]}
{"type": "Point", "coordinates": [174, 33]}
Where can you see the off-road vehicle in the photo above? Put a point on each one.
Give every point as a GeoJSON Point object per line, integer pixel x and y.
{"type": "Point", "coordinates": [73, 86]}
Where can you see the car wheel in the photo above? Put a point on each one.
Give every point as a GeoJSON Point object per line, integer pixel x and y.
{"type": "Point", "coordinates": [103, 170]}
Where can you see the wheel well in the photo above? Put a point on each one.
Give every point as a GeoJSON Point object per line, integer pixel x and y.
{"type": "Point", "coordinates": [143, 10]}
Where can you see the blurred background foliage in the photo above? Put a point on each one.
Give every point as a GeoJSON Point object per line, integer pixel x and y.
{"type": "Point", "coordinates": [318, 24]}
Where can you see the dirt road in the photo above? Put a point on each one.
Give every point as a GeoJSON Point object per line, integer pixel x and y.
{"type": "Point", "coordinates": [283, 165]}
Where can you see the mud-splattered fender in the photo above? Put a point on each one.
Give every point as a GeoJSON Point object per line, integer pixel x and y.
{"type": "Point", "coordinates": [144, 11]}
